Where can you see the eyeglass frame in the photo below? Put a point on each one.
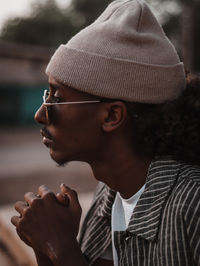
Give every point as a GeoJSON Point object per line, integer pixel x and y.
{"type": "Point", "coordinates": [76, 102]}
{"type": "Point", "coordinates": [47, 104]}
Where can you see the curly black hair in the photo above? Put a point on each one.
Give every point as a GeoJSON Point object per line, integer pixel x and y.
{"type": "Point", "coordinates": [169, 129]}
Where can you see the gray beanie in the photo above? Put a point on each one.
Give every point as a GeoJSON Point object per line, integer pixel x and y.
{"type": "Point", "coordinates": [124, 55]}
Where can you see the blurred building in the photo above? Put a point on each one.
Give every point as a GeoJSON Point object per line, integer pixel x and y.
{"type": "Point", "coordinates": [22, 80]}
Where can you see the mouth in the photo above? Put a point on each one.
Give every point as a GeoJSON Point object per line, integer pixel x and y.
{"type": "Point", "coordinates": [47, 138]}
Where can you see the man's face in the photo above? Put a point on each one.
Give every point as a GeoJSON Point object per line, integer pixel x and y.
{"type": "Point", "coordinates": [73, 132]}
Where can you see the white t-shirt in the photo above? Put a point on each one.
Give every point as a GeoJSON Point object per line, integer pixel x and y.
{"type": "Point", "coordinates": [122, 211]}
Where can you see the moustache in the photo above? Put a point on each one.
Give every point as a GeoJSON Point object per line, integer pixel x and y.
{"type": "Point", "coordinates": [45, 133]}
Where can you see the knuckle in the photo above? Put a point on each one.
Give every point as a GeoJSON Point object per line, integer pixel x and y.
{"type": "Point", "coordinates": [26, 212]}
{"type": "Point", "coordinates": [42, 187]}
{"type": "Point", "coordinates": [28, 194]}
{"type": "Point", "coordinates": [48, 195]}
{"type": "Point", "coordinates": [17, 204]}
{"type": "Point", "coordinates": [35, 202]}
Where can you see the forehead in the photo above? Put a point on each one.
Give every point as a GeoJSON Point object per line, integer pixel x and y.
{"type": "Point", "coordinates": [67, 90]}
{"type": "Point", "coordinates": [55, 85]}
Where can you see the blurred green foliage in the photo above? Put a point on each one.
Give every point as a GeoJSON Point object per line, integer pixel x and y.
{"type": "Point", "coordinates": [89, 9]}
{"type": "Point", "coordinates": [50, 25]}
{"type": "Point", "coordinates": [47, 25]}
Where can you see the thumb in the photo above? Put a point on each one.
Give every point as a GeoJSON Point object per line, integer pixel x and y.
{"type": "Point", "coordinates": [63, 199]}
{"type": "Point", "coordinates": [71, 194]}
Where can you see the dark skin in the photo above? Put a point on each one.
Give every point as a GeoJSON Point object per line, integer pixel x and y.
{"type": "Point", "coordinates": [103, 140]}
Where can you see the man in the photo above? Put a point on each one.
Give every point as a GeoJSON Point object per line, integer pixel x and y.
{"type": "Point", "coordinates": [118, 100]}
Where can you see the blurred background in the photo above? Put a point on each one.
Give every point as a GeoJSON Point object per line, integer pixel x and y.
{"type": "Point", "coordinates": [29, 33]}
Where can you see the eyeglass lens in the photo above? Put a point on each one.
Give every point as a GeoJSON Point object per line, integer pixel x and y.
{"type": "Point", "coordinates": [46, 95]}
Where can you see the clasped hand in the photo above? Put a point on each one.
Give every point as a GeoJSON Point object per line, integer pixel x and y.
{"type": "Point", "coordinates": [48, 223]}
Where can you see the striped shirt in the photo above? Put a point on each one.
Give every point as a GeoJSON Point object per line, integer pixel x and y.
{"type": "Point", "coordinates": [164, 229]}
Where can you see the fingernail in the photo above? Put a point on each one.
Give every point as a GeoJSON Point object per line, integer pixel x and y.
{"type": "Point", "coordinates": [63, 185]}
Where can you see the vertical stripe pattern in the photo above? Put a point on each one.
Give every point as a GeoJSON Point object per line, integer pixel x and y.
{"type": "Point", "coordinates": [164, 229]}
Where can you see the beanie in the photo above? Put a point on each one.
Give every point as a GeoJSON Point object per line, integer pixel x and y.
{"type": "Point", "coordinates": [124, 55]}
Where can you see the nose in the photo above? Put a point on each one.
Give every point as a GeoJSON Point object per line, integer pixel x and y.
{"type": "Point", "coordinates": [40, 115]}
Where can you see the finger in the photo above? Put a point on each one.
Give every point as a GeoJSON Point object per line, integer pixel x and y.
{"type": "Point", "coordinates": [44, 192]}
{"type": "Point", "coordinates": [64, 189]}
{"type": "Point", "coordinates": [15, 220]}
{"type": "Point", "coordinates": [30, 197]}
{"type": "Point", "coordinates": [21, 207]}
{"type": "Point", "coordinates": [71, 194]}
{"type": "Point", "coordinates": [63, 199]}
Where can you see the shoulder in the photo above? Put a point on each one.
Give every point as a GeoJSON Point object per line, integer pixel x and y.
{"type": "Point", "coordinates": [101, 192]}
{"type": "Point", "coordinates": [188, 182]}
{"type": "Point", "coordinates": [185, 196]}
{"type": "Point", "coordinates": [102, 201]}
{"type": "Point", "coordinates": [191, 173]}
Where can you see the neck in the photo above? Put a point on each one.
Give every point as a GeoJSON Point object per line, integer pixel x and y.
{"type": "Point", "coordinates": [121, 170]}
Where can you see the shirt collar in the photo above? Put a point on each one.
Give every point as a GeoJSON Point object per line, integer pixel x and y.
{"type": "Point", "coordinates": [105, 207]}
{"type": "Point", "coordinates": [162, 175]}
{"type": "Point", "coordinates": [161, 178]}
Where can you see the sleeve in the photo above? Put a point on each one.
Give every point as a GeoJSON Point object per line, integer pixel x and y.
{"type": "Point", "coordinates": [90, 214]}
{"type": "Point", "coordinates": [192, 223]}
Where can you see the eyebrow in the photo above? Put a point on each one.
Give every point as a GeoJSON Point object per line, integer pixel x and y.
{"type": "Point", "coordinates": [54, 86]}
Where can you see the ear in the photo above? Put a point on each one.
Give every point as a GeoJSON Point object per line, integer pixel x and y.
{"type": "Point", "coordinates": [115, 115]}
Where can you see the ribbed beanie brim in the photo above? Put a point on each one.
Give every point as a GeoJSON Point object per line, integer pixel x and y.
{"type": "Point", "coordinates": [124, 55]}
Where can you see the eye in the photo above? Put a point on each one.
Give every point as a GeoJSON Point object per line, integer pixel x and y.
{"type": "Point", "coordinates": [53, 97]}
{"type": "Point", "coordinates": [56, 98]}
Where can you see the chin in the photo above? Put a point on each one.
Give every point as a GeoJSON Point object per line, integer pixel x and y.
{"type": "Point", "coordinates": [63, 158]}
{"type": "Point", "coordinates": [58, 158]}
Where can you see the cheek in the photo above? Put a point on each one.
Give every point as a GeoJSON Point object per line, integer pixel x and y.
{"type": "Point", "coordinates": [73, 121]}
{"type": "Point", "coordinates": [67, 133]}
{"type": "Point", "coordinates": [76, 127]}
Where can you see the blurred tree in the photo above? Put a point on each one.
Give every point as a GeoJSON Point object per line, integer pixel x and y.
{"type": "Point", "coordinates": [197, 37]}
{"type": "Point", "coordinates": [47, 25]}
{"type": "Point", "coordinates": [190, 29]}
{"type": "Point", "coordinates": [89, 9]}
{"type": "Point", "coordinates": [183, 28]}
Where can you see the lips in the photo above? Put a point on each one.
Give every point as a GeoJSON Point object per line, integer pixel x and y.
{"type": "Point", "coordinates": [47, 138]}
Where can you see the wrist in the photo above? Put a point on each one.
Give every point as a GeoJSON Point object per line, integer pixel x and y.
{"type": "Point", "coordinates": [70, 255]}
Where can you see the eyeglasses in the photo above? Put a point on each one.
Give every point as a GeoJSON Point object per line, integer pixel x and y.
{"type": "Point", "coordinates": [54, 102]}
{"type": "Point", "coordinates": [46, 95]}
